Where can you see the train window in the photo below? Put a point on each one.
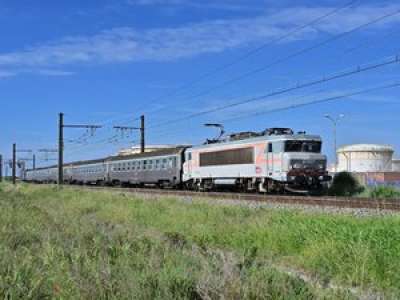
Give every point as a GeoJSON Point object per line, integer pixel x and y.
{"type": "Point", "coordinates": [171, 162]}
{"type": "Point", "coordinates": [227, 157]}
{"type": "Point", "coordinates": [144, 164]}
{"type": "Point", "coordinates": [303, 146]}
{"type": "Point", "coordinates": [277, 147]}
{"type": "Point", "coordinates": [189, 156]}
{"type": "Point", "coordinates": [269, 147]}
{"type": "Point", "coordinates": [174, 162]}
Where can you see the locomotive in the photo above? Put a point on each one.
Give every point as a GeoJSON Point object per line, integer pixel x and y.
{"type": "Point", "coordinates": [274, 160]}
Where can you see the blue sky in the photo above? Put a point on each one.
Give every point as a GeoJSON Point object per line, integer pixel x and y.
{"type": "Point", "coordinates": [106, 62]}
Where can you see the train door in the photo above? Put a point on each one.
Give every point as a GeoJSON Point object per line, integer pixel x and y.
{"type": "Point", "coordinates": [274, 158]}
{"type": "Point", "coordinates": [189, 162]}
{"type": "Point", "coordinates": [270, 159]}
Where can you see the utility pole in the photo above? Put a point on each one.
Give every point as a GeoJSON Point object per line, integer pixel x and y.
{"type": "Point", "coordinates": [1, 168]}
{"type": "Point", "coordinates": [60, 149]}
{"type": "Point", "coordinates": [141, 129]}
{"type": "Point", "coordinates": [334, 123]}
{"type": "Point", "coordinates": [34, 162]}
{"type": "Point", "coordinates": [61, 127]}
{"type": "Point", "coordinates": [142, 139]}
{"type": "Point", "coordinates": [14, 164]}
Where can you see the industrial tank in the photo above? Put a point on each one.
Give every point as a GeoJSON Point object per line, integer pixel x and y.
{"type": "Point", "coordinates": [365, 158]}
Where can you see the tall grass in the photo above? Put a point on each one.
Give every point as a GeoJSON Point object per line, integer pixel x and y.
{"type": "Point", "coordinates": [97, 245]}
{"type": "Point", "coordinates": [385, 192]}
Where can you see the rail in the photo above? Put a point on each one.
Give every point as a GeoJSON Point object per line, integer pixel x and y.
{"type": "Point", "coordinates": [326, 201]}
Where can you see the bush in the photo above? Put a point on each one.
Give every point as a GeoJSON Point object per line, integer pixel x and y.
{"type": "Point", "coordinates": [345, 185]}
{"type": "Point", "coordinates": [387, 192]}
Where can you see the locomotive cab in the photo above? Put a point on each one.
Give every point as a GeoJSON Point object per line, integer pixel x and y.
{"type": "Point", "coordinates": [303, 163]}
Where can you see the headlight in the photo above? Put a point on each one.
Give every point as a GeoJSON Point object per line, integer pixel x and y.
{"type": "Point", "coordinates": [297, 165]}
{"type": "Point", "coordinates": [321, 165]}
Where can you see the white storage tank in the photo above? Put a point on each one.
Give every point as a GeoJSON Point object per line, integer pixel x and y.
{"type": "Point", "coordinates": [396, 165]}
{"type": "Point", "coordinates": [365, 158]}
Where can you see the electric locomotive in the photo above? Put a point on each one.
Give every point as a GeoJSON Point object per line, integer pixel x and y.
{"type": "Point", "coordinates": [275, 160]}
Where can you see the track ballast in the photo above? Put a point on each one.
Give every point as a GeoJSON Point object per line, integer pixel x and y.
{"type": "Point", "coordinates": [326, 201]}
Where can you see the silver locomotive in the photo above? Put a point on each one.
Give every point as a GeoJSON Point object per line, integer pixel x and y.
{"type": "Point", "coordinates": [274, 160]}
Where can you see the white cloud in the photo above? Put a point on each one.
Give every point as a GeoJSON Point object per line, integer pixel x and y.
{"type": "Point", "coordinates": [50, 72]}
{"type": "Point", "coordinates": [121, 45]}
{"type": "Point", "coordinates": [155, 2]}
{"type": "Point", "coordinates": [222, 5]}
{"type": "Point", "coordinates": [43, 72]}
{"type": "Point", "coordinates": [5, 74]}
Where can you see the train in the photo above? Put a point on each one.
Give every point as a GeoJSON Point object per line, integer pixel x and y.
{"type": "Point", "coordinates": [276, 160]}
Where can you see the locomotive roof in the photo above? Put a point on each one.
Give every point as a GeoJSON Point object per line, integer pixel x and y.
{"type": "Point", "coordinates": [298, 137]}
{"type": "Point", "coordinates": [161, 152]}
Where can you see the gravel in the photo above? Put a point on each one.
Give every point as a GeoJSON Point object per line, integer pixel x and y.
{"type": "Point", "coordinates": [312, 209]}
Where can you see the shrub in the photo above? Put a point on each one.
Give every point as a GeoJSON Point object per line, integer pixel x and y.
{"type": "Point", "coordinates": [345, 184]}
{"type": "Point", "coordinates": [387, 192]}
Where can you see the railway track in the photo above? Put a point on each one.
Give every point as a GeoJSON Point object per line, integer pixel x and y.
{"type": "Point", "coordinates": [338, 202]}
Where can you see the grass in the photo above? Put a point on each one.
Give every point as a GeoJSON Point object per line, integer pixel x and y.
{"type": "Point", "coordinates": [103, 245]}
{"type": "Point", "coordinates": [382, 192]}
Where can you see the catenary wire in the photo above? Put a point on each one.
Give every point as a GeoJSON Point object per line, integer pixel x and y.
{"type": "Point", "coordinates": [252, 52]}
{"type": "Point", "coordinates": [288, 57]}
{"type": "Point", "coordinates": [359, 69]}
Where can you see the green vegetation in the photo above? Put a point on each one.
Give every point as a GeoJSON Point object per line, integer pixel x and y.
{"type": "Point", "coordinates": [345, 185]}
{"type": "Point", "coordinates": [383, 192]}
{"type": "Point", "coordinates": [105, 245]}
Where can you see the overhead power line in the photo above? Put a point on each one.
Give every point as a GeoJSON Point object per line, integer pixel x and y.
{"type": "Point", "coordinates": [253, 51]}
{"type": "Point", "coordinates": [290, 56]}
{"type": "Point", "coordinates": [327, 99]}
{"type": "Point", "coordinates": [299, 105]}
{"type": "Point", "coordinates": [357, 70]}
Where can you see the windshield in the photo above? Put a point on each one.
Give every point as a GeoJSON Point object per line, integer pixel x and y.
{"type": "Point", "coordinates": [303, 146]}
